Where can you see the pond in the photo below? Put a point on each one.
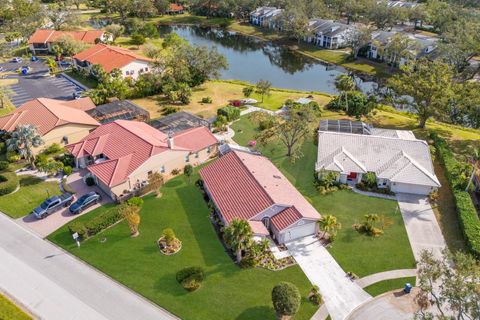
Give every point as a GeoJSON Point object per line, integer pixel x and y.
{"type": "Point", "coordinates": [251, 60]}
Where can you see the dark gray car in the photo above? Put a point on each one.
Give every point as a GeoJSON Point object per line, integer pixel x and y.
{"type": "Point", "coordinates": [84, 202]}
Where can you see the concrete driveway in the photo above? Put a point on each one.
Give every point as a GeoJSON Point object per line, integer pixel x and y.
{"type": "Point", "coordinates": [340, 293]}
{"type": "Point", "coordinates": [52, 284]}
{"type": "Point", "coordinates": [37, 85]}
{"type": "Point", "coordinates": [423, 230]}
{"type": "Point", "coordinates": [46, 226]}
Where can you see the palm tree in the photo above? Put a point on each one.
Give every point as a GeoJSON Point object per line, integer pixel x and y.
{"type": "Point", "coordinates": [23, 140]}
{"type": "Point", "coordinates": [475, 159]}
{"type": "Point", "coordinates": [329, 223]}
{"type": "Point", "coordinates": [238, 236]}
{"type": "Point", "coordinates": [345, 83]}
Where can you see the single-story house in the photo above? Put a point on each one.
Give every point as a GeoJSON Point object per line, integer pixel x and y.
{"type": "Point", "coordinates": [42, 40]}
{"type": "Point", "coordinates": [121, 155]}
{"type": "Point", "coordinates": [179, 121]}
{"type": "Point", "coordinates": [328, 34]}
{"type": "Point", "coordinates": [119, 110]}
{"type": "Point", "coordinates": [400, 161]}
{"type": "Point", "coordinates": [244, 185]}
{"type": "Point", "coordinates": [421, 46]}
{"type": "Point", "coordinates": [109, 57]}
{"type": "Point", "coordinates": [401, 4]}
{"type": "Point", "coordinates": [57, 121]}
{"type": "Point", "coordinates": [174, 8]}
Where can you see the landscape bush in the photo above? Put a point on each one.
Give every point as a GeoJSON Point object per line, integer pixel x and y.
{"type": "Point", "coordinates": [207, 100]}
{"type": "Point", "coordinates": [95, 225]}
{"type": "Point", "coordinates": [8, 183]}
{"type": "Point", "coordinates": [89, 181]}
{"type": "Point", "coordinates": [135, 201]}
{"type": "Point", "coordinates": [467, 214]}
{"type": "Point", "coordinates": [191, 278]}
{"type": "Point", "coordinates": [229, 112]}
{"type": "Point", "coordinates": [67, 170]}
{"type": "Point", "coordinates": [12, 156]}
{"type": "Point", "coordinates": [53, 148]}
{"type": "Point", "coordinates": [4, 165]}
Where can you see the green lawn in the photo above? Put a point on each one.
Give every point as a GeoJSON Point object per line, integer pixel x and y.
{"type": "Point", "coordinates": [9, 311]}
{"type": "Point", "coordinates": [89, 82]}
{"type": "Point", "coordinates": [228, 291]}
{"type": "Point", "coordinates": [357, 253]}
{"type": "Point", "coordinates": [378, 288]}
{"type": "Point", "coordinates": [32, 192]}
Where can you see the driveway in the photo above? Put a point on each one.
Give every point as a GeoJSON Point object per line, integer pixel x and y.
{"type": "Point", "coordinates": [37, 85]}
{"type": "Point", "coordinates": [46, 226]}
{"type": "Point", "coordinates": [422, 227]}
{"type": "Point", "coordinates": [340, 293]}
{"type": "Point", "coordinates": [52, 284]}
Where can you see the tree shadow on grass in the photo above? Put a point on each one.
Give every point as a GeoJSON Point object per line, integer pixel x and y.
{"type": "Point", "coordinates": [259, 312]}
{"type": "Point", "coordinates": [168, 284]}
{"type": "Point", "coordinates": [29, 181]}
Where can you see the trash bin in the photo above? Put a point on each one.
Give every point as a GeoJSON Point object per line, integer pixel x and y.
{"type": "Point", "coordinates": [24, 70]}
{"type": "Point", "coordinates": [34, 58]}
{"type": "Point", "coordinates": [407, 288]}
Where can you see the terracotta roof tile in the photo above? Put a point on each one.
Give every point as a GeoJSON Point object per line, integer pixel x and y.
{"type": "Point", "coordinates": [109, 57]}
{"type": "Point", "coordinates": [194, 139]}
{"type": "Point", "coordinates": [47, 114]}
{"type": "Point", "coordinates": [45, 36]}
{"type": "Point", "coordinates": [285, 218]}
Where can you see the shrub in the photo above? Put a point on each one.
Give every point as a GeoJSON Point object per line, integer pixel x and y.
{"type": "Point", "coordinates": [169, 110]}
{"type": "Point", "coordinates": [135, 201]}
{"type": "Point", "coordinates": [231, 113]}
{"type": "Point", "coordinates": [247, 91]}
{"type": "Point", "coordinates": [175, 171]}
{"type": "Point", "coordinates": [90, 181]}
{"type": "Point", "coordinates": [12, 156]}
{"type": "Point", "coordinates": [67, 159]}
{"type": "Point", "coordinates": [169, 236]}
{"type": "Point", "coordinates": [191, 277]}
{"type": "Point", "coordinates": [267, 123]}
{"type": "Point", "coordinates": [98, 223]}
{"type": "Point", "coordinates": [8, 183]}
{"type": "Point", "coordinates": [315, 296]}
{"type": "Point", "coordinates": [469, 220]}
{"type": "Point", "coordinates": [67, 170]}
{"type": "Point", "coordinates": [137, 39]}
{"type": "Point", "coordinates": [247, 263]}
{"type": "Point", "coordinates": [286, 299]}
{"type": "Point", "coordinates": [78, 227]}
{"type": "Point", "coordinates": [53, 148]}
{"type": "Point", "coordinates": [4, 165]}
{"type": "Point", "coordinates": [207, 100]}
{"type": "Point", "coordinates": [370, 179]}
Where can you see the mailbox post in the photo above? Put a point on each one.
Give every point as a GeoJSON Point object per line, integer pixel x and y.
{"type": "Point", "coordinates": [76, 238]}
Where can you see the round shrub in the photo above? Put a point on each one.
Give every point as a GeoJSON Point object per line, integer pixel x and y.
{"type": "Point", "coordinates": [207, 100]}
{"type": "Point", "coordinates": [286, 299]}
{"type": "Point", "coordinates": [12, 156]}
{"type": "Point", "coordinates": [135, 201]}
{"type": "Point", "coordinates": [8, 183]}
{"type": "Point", "coordinates": [191, 278]}
{"type": "Point", "coordinates": [247, 263]}
{"type": "Point", "coordinates": [67, 170]}
{"type": "Point", "coordinates": [90, 181]}
{"type": "Point", "coordinates": [4, 165]}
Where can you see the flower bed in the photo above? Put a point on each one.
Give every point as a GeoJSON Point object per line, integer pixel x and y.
{"type": "Point", "coordinates": [270, 263]}
{"type": "Point", "coordinates": [168, 250]}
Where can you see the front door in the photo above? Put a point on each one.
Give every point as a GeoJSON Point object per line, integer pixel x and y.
{"type": "Point", "coordinates": [352, 176]}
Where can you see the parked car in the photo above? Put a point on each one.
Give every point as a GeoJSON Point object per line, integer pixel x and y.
{"type": "Point", "coordinates": [52, 205]}
{"type": "Point", "coordinates": [17, 60]}
{"type": "Point", "coordinates": [84, 202]}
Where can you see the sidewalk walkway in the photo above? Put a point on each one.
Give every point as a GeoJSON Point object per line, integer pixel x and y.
{"type": "Point", "coordinates": [52, 284]}
{"type": "Point", "coordinates": [340, 293]}
{"type": "Point", "coordinates": [372, 194]}
{"type": "Point", "coordinates": [387, 275]}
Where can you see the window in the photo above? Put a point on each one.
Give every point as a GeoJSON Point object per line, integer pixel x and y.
{"type": "Point", "coordinates": [132, 72]}
{"type": "Point", "coordinates": [209, 150]}
{"type": "Point", "coordinates": [162, 169]}
{"type": "Point", "coordinates": [196, 155]}
{"type": "Point", "coordinates": [187, 158]}
{"type": "Point", "coordinates": [146, 69]}
{"type": "Point", "coordinates": [65, 139]}
{"type": "Point", "coordinates": [150, 173]}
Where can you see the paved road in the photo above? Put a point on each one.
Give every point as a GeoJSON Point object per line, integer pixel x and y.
{"type": "Point", "coordinates": [54, 285]}
{"type": "Point", "coordinates": [422, 227]}
{"type": "Point", "coordinates": [340, 293]}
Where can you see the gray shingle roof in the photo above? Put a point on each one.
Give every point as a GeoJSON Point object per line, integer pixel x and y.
{"type": "Point", "coordinates": [393, 155]}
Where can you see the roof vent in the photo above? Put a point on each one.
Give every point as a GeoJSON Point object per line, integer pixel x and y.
{"type": "Point", "coordinates": [277, 177]}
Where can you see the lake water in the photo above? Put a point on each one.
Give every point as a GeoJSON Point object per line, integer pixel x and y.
{"type": "Point", "coordinates": [252, 60]}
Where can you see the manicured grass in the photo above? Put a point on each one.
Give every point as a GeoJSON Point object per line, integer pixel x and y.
{"type": "Point", "coordinates": [32, 192]}
{"type": "Point", "coordinates": [355, 252]}
{"type": "Point", "coordinates": [228, 291]}
{"type": "Point", "coordinates": [89, 82]}
{"type": "Point", "coordinates": [9, 311]}
{"type": "Point", "coordinates": [126, 42]}
{"type": "Point", "coordinates": [378, 288]}
{"type": "Point", "coordinates": [221, 93]}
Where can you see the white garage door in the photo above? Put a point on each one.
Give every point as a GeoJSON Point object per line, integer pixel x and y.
{"type": "Point", "coordinates": [410, 188]}
{"type": "Point", "coordinates": [299, 232]}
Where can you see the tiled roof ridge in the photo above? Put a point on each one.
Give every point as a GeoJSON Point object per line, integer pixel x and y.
{"type": "Point", "coordinates": [357, 162]}
{"type": "Point", "coordinates": [118, 123]}
{"type": "Point", "coordinates": [130, 155]}
{"type": "Point", "coordinates": [372, 136]}
{"type": "Point", "coordinates": [391, 161]}
{"type": "Point", "coordinates": [419, 167]}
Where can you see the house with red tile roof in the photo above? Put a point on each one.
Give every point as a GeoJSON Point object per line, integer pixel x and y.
{"type": "Point", "coordinates": [247, 186]}
{"type": "Point", "coordinates": [109, 57]}
{"type": "Point", "coordinates": [57, 121]}
{"type": "Point", "coordinates": [175, 8]}
{"type": "Point", "coordinates": [121, 155]}
{"type": "Point", "coordinates": [42, 40]}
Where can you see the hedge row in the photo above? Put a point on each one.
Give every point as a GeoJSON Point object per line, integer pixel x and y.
{"type": "Point", "coordinates": [8, 182]}
{"type": "Point", "coordinates": [469, 221]}
{"type": "Point", "coordinates": [93, 226]}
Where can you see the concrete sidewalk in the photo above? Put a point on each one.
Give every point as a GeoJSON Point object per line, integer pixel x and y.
{"type": "Point", "coordinates": [52, 284]}
{"type": "Point", "coordinates": [340, 293]}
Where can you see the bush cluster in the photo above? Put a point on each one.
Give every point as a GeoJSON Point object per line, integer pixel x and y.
{"type": "Point", "coordinates": [207, 100]}
{"type": "Point", "coordinates": [95, 225]}
{"type": "Point", "coordinates": [4, 165]}
{"type": "Point", "coordinates": [8, 183]}
{"type": "Point", "coordinates": [191, 278]}
{"type": "Point", "coordinates": [229, 112]}
{"type": "Point", "coordinates": [469, 220]}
